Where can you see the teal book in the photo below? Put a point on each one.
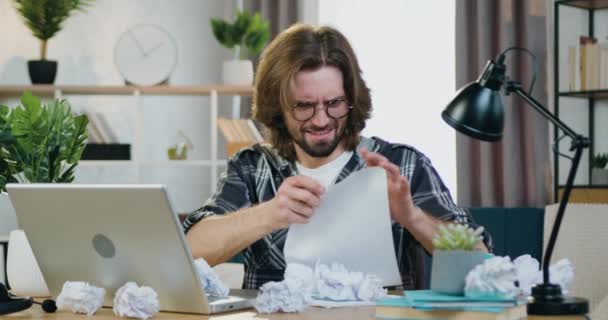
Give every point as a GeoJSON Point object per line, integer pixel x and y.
{"type": "Point", "coordinates": [427, 304]}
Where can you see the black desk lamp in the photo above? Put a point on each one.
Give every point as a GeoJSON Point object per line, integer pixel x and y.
{"type": "Point", "coordinates": [477, 111]}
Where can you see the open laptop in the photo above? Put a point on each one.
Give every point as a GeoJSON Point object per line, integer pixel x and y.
{"type": "Point", "coordinates": [108, 235]}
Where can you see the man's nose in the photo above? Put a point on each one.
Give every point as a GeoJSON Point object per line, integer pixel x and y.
{"type": "Point", "coordinates": [320, 119]}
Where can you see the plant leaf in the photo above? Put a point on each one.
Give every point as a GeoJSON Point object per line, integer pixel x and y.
{"type": "Point", "coordinates": [45, 18]}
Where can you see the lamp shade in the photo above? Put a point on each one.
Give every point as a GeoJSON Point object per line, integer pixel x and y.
{"type": "Point", "coordinates": [476, 111]}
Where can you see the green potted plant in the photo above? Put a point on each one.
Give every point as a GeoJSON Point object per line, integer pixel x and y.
{"type": "Point", "coordinates": [599, 170]}
{"type": "Point", "coordinates": [454, 257]}
{"type": "Point", "coordinates": [45, 18]}
{"type": "Point", "coordinates": [39, 143]}
{"type": "Point", "coordinates": [247, 31]}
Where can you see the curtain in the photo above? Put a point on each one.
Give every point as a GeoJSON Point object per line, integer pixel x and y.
{"type": "Point", "coordinates": [517, 170]}
{"type": "Point", "coordinates": [280, 15]}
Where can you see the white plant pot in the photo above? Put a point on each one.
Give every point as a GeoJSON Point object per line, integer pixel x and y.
{"type": "Point", "coordinates": [8, 220]}
{"type": "Point", "coordinates": [237, 72]}
{"type": "Point", "coordinates": [450, 269]}
{"type": "Point", "coordinates": [22, 269]}
{"type": "Point", "coordinates": [599, 176]}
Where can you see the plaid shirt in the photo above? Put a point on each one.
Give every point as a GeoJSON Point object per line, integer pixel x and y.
{"type": "Point", "coordinates": [254, 175]}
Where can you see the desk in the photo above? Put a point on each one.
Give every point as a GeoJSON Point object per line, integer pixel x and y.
{"type": "Point", "coordinates": [36, 312]}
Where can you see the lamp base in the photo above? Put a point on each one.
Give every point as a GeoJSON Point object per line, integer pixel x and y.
{"type": "Point", "coordinates": [548, 300]}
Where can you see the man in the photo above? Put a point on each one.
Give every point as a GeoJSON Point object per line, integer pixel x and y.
{"type": "Point", "coordinates": [310, 94]}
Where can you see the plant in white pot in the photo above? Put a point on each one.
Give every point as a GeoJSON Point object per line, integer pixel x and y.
{"type": "Point", "coordinates": [248, 31]}
{"type": "Point", "coordinates": [599, 169]}
{"type": "Point", "coordinates": [45, 18]}
{"type": "Point", "coordinates": [454, 256]}
{"type": "Point", "coordinates": [38, 144]}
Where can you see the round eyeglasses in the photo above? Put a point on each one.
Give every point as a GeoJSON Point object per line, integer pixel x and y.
{"type": "Point", "coordinates": [335, 108]}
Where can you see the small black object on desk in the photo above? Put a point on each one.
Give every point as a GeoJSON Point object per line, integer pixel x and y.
{"type": "Point", "coordinates": [11, 304]}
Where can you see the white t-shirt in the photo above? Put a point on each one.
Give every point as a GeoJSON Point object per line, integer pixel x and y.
{"type": "Point", "coordinates": [326, 174]}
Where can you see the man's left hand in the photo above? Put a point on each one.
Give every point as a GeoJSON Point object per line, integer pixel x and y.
{"type": "Point", "coordinates": [401, 205]}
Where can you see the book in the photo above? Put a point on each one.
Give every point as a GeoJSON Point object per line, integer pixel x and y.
{"type": "Point", "coordinates": [93, 130]}
{"type": "Point", "coordinates": [426, 304]}
{"type": "Point", "coordinates": [512, 313]}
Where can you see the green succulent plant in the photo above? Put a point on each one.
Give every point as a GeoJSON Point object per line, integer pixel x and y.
{"type": "Point", "coordinates": [454, 236]}
{"type": "Point", "coordinates": [40, 143]}
{"type": "Point", "coordinates": [45, 17]}
{"type": "Point", "coordinates": [599, 161]}
{"type": "Point", "coordinates": [250, 31]}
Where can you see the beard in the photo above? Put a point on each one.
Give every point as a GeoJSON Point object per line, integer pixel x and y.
{"type": "Point", "coordinates": [320, 149]}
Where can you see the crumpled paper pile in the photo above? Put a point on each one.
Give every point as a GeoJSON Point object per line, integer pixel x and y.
{"type": "Point", "coordinates": [496, 277]}
{"type": "Point", "coordinates": [302, 285]}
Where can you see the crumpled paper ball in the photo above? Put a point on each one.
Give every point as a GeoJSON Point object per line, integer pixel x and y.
{"type": "Point", "coordinates": [211, 282]}
{"type": "Point", "coordinates": [290, 295]}
{"type": "Point", "coordinates": [336, 283]}
{"type": "Point", "coordinates": [80, 297]}
{"type": "Point", "coordinates": [302, 284]}
{"type": "Point", "coordinates": [562, 273]}
{"type": "Point", "coordinates": [528, 273]}
{"type": "Point", "coordinates": [134, 301]}
{"type": "Point", "coordinates": [494, 277]}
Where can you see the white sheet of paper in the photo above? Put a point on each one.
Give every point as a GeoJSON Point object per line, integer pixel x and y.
{"type": "Point", "coordinates": [352, 226]}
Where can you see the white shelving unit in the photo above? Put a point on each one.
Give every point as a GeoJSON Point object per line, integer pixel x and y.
{"type": "Point", "coordinates": [138, 92]}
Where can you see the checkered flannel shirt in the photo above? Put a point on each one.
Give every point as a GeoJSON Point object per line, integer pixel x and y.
{"type": "Point", "coordinates": [253, 176]}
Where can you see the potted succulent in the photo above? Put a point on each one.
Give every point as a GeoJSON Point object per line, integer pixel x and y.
{"type": "Point", "coordinates": [45, 19]}
{"type": "Point", "coordinates": [454, 257]}
{"type": "Point", "coordinates": [247, 31]}
{"type": "Point", "coordinates": [599, 171]}
{"type": "Point", "coordinates": [38, 144]}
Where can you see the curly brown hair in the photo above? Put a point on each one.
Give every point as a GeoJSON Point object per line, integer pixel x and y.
{"type": "Point", "coordinates": [305, 47]}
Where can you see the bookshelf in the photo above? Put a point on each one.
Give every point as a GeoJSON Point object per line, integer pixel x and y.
{"type": "Point", "coordinates": [586, 109]}
{"type": "Point", "coordinates": [138, 92]}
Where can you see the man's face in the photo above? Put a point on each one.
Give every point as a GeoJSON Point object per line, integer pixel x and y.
{"type": "Point", "coordinates": [320, 135]}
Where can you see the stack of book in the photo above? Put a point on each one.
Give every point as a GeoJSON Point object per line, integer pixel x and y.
{"type": "Point", "coordinates": [102, 142]}
{"type": "Point", "coordinates": [427, 304]}
{"type": "Point", "coordinates": [588, 65]}
{"type": "Point", "coordinates": [239, 133]}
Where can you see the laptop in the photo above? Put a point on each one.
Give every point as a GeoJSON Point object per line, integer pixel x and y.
{"type": "Point", "coordinates": [108, 235]}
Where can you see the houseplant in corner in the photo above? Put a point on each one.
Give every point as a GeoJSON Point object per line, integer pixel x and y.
{"type": "Point", "coordinates": [38, 144]}
{"type": "Point", "coordinates": [45, 19]}
{"type": "Point", "coordinates": [454, 257]}
{"type": "Point", "coordinates": [599, 170]}
{"type": "Point", "coordinates": [247, 31]}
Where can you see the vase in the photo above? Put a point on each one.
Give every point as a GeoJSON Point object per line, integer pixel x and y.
{"type": "Point", "coordinates": [24, 276]}
{"type": "Point", "coordinates": [42, 71]}
{"type": "Point", "coordinates": [237, 72]}
{"type": "Point", "coordinates": [599, 176]}
{"type": "Point", "coordinates": [451, 267]}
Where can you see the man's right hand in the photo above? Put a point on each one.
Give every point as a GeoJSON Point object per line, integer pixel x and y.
{"type": "Point", "coordinates": [294, 202]}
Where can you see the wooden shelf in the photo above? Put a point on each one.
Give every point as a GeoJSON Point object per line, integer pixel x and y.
{"type": "Point", "coordinates": [595, 94]}
{"type": "Point", "coordinates": [196, 90]}
{"type": "Point", "coordinates": [593, 194]}
{"type": "Point", "coordinates": [586, 4]}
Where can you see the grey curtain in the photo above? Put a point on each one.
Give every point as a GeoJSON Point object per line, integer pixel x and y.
{"type": "Point", "coordinates": [517, 170]}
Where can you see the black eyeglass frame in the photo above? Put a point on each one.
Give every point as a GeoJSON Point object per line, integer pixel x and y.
{"type": "Point", "coordinates": [326, 105]}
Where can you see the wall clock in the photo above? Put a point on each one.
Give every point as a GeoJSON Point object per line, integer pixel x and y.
{"type": "Point", "coordinates": [145, 54]}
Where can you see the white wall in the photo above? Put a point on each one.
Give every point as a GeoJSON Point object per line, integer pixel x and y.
{"type": "Point", "coordinates": [84, 49]}
{"type": "Point", "coordinates": [406, 51]}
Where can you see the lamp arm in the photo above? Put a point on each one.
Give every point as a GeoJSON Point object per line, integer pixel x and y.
{"type": "Point", "coordinates": [579, 143]}
{"type": "Point", "coordinates": [515, 87]}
